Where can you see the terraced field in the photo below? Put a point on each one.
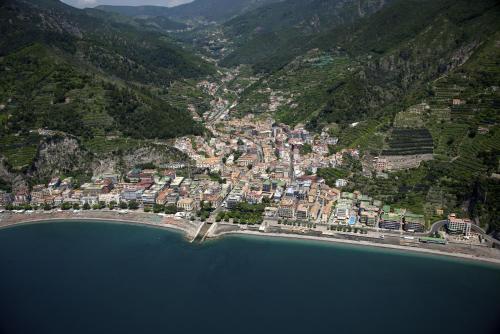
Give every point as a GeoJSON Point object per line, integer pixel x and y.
{"type": "Point", "coordinates": [18, 150]}
{"type": "Point", "coordinates": [468, 164]}
{"type": "Point", "coordinates": [409, 141]}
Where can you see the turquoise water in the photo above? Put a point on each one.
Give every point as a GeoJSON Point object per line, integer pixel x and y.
{"type": "Point", "coordinates": [108, 278]}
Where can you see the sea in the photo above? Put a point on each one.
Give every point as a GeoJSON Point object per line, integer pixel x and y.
{"type": "Point", "coordinates": [97, 277]}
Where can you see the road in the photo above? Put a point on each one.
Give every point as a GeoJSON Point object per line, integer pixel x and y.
{"type": "Point", "coordinates": [441, 223]}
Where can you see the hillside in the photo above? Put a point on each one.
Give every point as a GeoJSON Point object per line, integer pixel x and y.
{"type": "Point", "coordinates": [271, 36]}
{"type": "Point", "coordinates": [80, 73]}
{"type": "Point", "coordinates": [414, 78]}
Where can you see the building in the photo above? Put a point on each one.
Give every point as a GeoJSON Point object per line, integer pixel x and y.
{"type": "Point", "coordinates": [414, 222]}
{"type": "Point", "coordinates": [287, 208]}
{"type": "Point", "coordinates": [186, 204]}
{"type": "Point", "coordinates": [380, 164]}
{"type": "Point", "coordinates": [233, 200]}
{"type": "Point", "coordinates": [5, 198]}
{"type": "Point", "coordinates": [149, 196]}
{"type": "Point", "coordinates": [247, 159]}
{"type": "Point", "coordinates": [302, 212]}
{"type": "Point", "coordinates": [339, 183]}
{"type": "Point", "coordinates": [390, 221]}
{"type": "Point", "coordinates": [458, 225]}
{"type": "Point", "coordinates": [176, 183]}
{"type": "Point", "coordinates": [369, 218]}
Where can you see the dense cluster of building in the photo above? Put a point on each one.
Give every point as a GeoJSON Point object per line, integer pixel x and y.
{"type": "Point", "coordinates": [247, 160]}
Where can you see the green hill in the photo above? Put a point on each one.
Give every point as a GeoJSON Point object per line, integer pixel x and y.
{"type": "Point", "coordinates": [271, 36]}
{"type": "Point", "coordinates": [79, 72]}
{"type": "Point", "coordinates": [371, 71]}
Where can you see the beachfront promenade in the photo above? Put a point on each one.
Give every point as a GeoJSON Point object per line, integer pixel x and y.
{"type": "Point", "coordinates": [198, 231]}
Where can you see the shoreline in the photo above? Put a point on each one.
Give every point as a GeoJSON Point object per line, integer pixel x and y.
{"type": "Point", "coordinates": [189, 233]}
{"type": "Point", "coordinates": [100, 217]}
{"type": "Point", "coordinates": [416, 250]}
{"type": "Point", "coordinates": [97, 220]}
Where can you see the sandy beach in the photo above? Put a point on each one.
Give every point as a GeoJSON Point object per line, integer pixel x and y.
{"type": "Point", "coordinates": [190, 229]}
{"type": "Point", "coordinates": [132, 218]}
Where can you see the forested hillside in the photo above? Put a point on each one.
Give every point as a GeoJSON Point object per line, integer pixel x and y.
{"type": "Point", "coordinates": [87, 74]}
{"type": "Point", "coordinates": [271, 36]}
{"type": "Point", "coordinates": [70, 69]}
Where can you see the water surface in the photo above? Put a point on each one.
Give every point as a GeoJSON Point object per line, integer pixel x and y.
{"type": "Point", "coordinates": [107, 278]}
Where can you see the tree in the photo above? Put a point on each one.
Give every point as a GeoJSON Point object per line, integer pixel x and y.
{"type": "Point", "coordinates": [123, 205]}
{"type": "Point", "coordinates": [133, 205]}
{"type": "Point", "coordinates": [170, 209]}
{"type": "Point", "coordinates": [47, 207]}
{"type": "Point", "coordinates": [86, 206]}
{"type": "Point", "coordinates": [66, 206]}
{"type": "Point", "coordinates": [76, 206]}
{"type": "Point", "coordinates": [157, 208]}
{"type": "Point", "coordinates": [148, 209]}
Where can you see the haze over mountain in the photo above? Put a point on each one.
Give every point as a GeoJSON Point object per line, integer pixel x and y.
{"type": "Point", "coordinates": [94, 3]}
{"type": "Point", "coordinates": [209, 10]}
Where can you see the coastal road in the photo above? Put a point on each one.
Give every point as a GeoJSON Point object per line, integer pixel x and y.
{"type": "Point", "coordinates": [441, 223]}
{"type": "Point", "coordinates": [435, 227]}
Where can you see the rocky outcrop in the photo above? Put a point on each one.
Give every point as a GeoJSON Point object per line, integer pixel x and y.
{"type": "Point", "coordinates": [64, 155]}
{"type": "Point", "coordinates": [155, 154]}
{"type": "Point", "coordinates": [16, 181]}
{"type": "Point", "coordinates": [59, 155]}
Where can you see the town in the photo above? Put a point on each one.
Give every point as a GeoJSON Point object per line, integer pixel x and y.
{"type": "Point", "coordinates": [252, 173]}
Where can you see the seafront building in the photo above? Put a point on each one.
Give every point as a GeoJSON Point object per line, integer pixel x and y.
{"type": "Point", "coordinates": [458, 225]}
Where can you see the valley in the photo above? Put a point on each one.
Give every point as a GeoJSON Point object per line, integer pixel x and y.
{"type": "Point", "coordinates": [309, 112]}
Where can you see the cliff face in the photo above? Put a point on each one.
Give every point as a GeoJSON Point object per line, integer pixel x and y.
{"type": "Point", "coordinates": [16, 181]}
{"type": "Point", "coordinates": [64, 155]}
{"type": "Point", "coordinates": [57, 156]}
{"type": "Point", "coordinates": [155, 154]}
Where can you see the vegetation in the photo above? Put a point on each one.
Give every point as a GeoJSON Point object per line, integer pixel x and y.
{"type": "Point", "coordinates": [244, 213]}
